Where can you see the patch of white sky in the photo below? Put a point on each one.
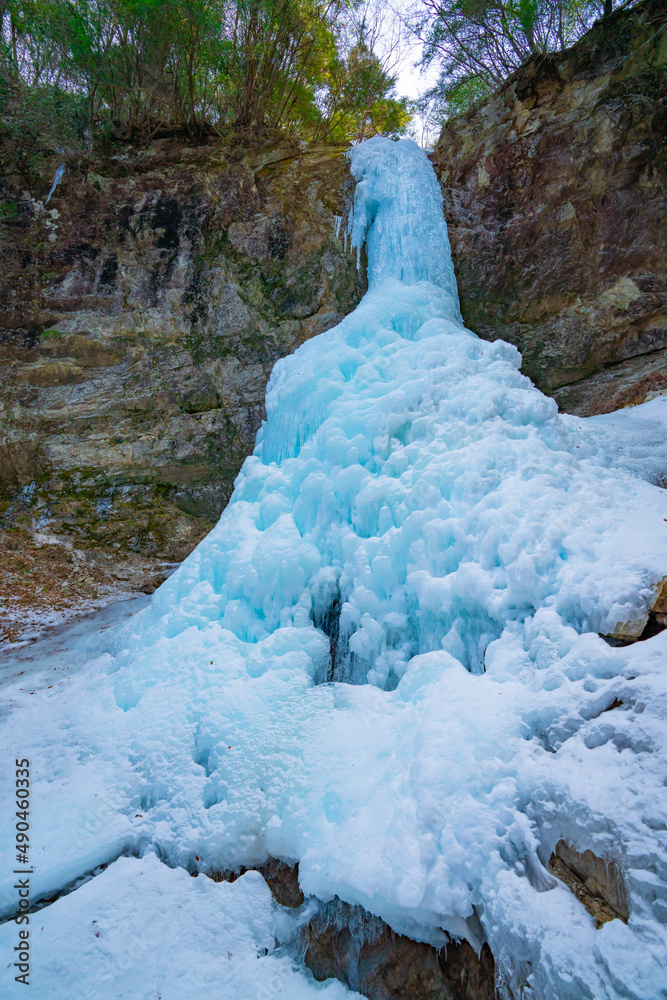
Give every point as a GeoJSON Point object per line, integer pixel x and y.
{"type": "Point", "coordinates": [401, 50]}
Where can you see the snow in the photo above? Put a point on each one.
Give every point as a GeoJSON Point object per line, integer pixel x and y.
{"type": "Point", "coordinates": [417, 508]}
{"type": "Point", "coordinates": [44, 653]}
{"type": "Point", "coordinates": [142, 930]}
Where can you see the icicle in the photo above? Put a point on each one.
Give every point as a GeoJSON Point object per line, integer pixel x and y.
{"type": "Point", "coordinates": [57, 177]}
{"type": "Point", "coordinates": [397, 212]}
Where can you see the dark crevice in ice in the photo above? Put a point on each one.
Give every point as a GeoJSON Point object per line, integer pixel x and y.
{"type": "Point", "coordinates": [328, 621]}
{"type": "Point", "coordinates": [654, 625]}
{"type": "Point", "coordinates": [343, 666]}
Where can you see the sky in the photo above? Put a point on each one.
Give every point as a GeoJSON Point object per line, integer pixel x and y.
{"type": "Point", "coordinates": [411, 80]}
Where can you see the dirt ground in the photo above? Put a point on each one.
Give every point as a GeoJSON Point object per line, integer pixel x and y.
{"type": "Point", "coordinates": [46, 581]}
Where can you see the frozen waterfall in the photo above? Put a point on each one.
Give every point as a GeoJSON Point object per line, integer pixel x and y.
{"type": "Point", "coordinates": [57, 177]}
{"type": "Point", "coordinates": [384, 663]}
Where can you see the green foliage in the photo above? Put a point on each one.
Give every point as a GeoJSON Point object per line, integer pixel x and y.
{"type": "Point", "coordinates": [360, 100]}
{"type": "Point", "coordinates": [75, 69]}
{"type": "Point", "coordinates": [9, 210]}
{"type": "Point", "coordinates": [41, 120]}
{"type": "Point", "coordinates": [478, 43]}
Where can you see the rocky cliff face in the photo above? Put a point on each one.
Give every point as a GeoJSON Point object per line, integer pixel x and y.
{"type": "Point", "coordinates": [556, 201]}
{"type": "Point", "coordinates": [141, 313]}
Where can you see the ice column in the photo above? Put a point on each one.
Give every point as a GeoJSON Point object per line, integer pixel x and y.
{"type": "Point", "coordinates": [398, 213]}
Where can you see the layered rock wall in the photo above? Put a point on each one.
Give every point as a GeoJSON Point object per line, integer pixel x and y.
{"type": "Point", "coordinates": [556, 200]}
{"type": "Point", "coordinates": [141, 312]}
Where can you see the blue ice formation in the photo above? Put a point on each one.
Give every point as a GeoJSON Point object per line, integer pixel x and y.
{"type": "Point", "coordinates": [398, 197]}
{"type": "Point", "coordinates": [57, 177]}
{"type": "Point", "coordinates": [384, 661]}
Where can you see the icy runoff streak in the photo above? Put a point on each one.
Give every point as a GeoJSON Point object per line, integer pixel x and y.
{"type": "Point", "coordinates": [419, 525]}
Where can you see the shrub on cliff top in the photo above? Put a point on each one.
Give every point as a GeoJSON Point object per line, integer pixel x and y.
{"type": "Point", "coordinates": [143, 66]}
{"type": "Point", "coordinates": [477, 44]}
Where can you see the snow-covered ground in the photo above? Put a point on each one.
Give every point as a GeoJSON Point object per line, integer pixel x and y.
{"type": "Point", "coordinates": [67, 647]}
{"type": "Point", "coordinates": [383, 663]}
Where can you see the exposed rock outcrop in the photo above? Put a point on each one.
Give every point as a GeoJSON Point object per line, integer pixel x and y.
{"type": "Point", "coordinates": [347, 943]}
{"type": "Point", "coordinates": [556, 200]}
{"type": "Point", "coordinates": [652, 621]}
{"type": "Point", "coordinates": [596, 883]}
{"type": "Point", "coordinates": [281, 878]}
{"type": "Point", "coordinates": [141, 314]}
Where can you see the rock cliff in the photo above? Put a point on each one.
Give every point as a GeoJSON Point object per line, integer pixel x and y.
{"type": "Point", "coordinates": [142, 312]}
{"type": "Point", "coordinates": [556, 199]}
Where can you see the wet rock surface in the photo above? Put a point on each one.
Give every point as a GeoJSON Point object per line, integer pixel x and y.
{"type": "Point", "coordinates": [556, 198]}
{"type": "Point", "coordinates": [142, 312]}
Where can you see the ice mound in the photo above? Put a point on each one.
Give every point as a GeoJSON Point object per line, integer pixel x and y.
{"type": "Point", "coordinates": [384, 661]}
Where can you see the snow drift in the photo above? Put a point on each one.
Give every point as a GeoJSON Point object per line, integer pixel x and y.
{"type": "Point", "coordinates": [384, 662]}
